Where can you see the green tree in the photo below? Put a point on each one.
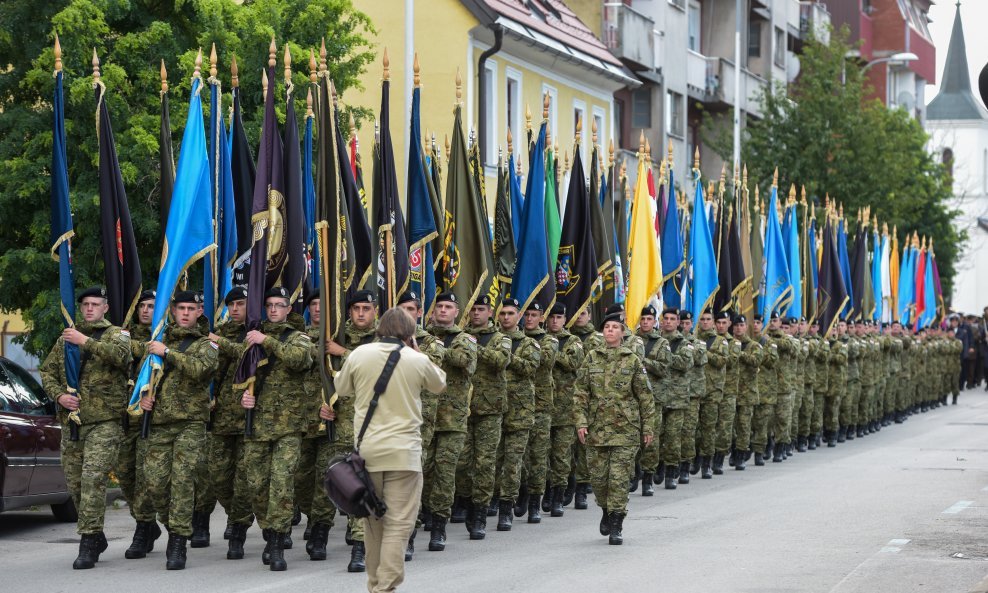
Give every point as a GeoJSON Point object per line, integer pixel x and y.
{"type": "Point", "coordinates": [131, 37]}
{"type": "Point", "coordinates": [823, 132]}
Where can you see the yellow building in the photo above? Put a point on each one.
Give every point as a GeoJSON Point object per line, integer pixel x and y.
{"type": "Point", "coordinates": [524, 49]}
{"type": "Point", "coordinates": [11, 326]}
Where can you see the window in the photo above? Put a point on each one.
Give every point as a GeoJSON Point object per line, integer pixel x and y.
{"type": "Point", "coordinates": [681, 4]}
{"type": "Point", "coordinates": [674, 113]}
{"type": "Point", "coordinates": [693, 24]}
{"type": "Point", "coordinates": [754, 39]}
{"type": "Point", "coordinates": [641, 107]}
{"type": "Point", "coordinates": [20, 393]}
{"type": "Point", "coordinates": [490, 99]}
{"type": "Point", "coordinates": [513, 107]}
{"type": "Point", "coordinates": [947, 158]}
{"type": "Point", "coordinates": [780, 48]}
{"type": "Point", "coordinates": [598, 118]}
{"type": "Point", "coordinates": [619, 115]}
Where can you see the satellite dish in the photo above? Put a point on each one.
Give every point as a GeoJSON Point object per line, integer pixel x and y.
{"type": "Point", "coordinates": [792, 68]}
{"type": "Point", "coordinates": [906, 100]}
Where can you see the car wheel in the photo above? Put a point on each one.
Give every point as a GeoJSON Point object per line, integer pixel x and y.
{"type": "Point", "coordinates": [65, 512]}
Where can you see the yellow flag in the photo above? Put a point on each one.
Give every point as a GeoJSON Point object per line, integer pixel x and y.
{"type": "Point", "coordinates": [645, 263]}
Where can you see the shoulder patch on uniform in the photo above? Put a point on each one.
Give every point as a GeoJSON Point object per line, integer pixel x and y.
{"type": "Point", "coordinates": [537, 345]}
{"type": "Point", "coordinates": [471, 338]}
{"type": "Point", "coordinates": [214, 345]}
{"type": "Point", "coordinates": [124, 332]}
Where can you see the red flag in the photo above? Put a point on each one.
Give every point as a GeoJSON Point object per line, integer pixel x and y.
{"type": "Point", "coordinates": [920, 286]}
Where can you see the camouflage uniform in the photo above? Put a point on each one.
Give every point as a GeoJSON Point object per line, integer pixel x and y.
{"type": "Point", "coordinates": [436, 351]}
{"type": "Point", "coordinates": [614, 402]}
{"type": "Point", "coordinates": [821, 382]}
{"type": "Point", "coordinates": [768, 395]}
{"type": "Point", "coordinates": [849, 404]}
{"type": "Point", "coordinates": [656, 363]}
{"type": "Point", "coordinates": [592, 339]}
{"type": "Point", "coordinates": [568, 362]}
{"type": "Point", "coordinates": [715, 374]}
{"type": "Point", "coordinates": [170, 455]}
{"type": "Point", "coordinates": [537, 453]}
{"type": "Point", "coordinates": [315, 450]}
{"type": "Point", "coordinates": [476, 467]}
{"type": "Point", "coordinates": [808, 367]}
{"type": "Point", "coordinates": [871, 350]}
{"type": "Point", "coordinates": [675, 387]}
{"type": "Point", "coordinates": [102, 396]}
{"type": "Point", "coordinates": [781, 414]}
{"type": "Point", "coordinates": [459, 363]}
{"type": "Point", "coordinates": [837, 384]}
{"type": "Point", "coordinates": [905, 385]}
{"type": "Point", "coordinates": [697, 391]}
{"type": "Point", "coordinates": [728, 406]}
{"type": "Point", "coordinates": [748, 377]}
{"type": "Point", "coordinates": [271, 455]}
{"type": "Point", "coordinates": [798, 385]}
{"type": "Point", "coordinates": [520, 417]}
{"type": "Point", "coordinates": [125, 467]}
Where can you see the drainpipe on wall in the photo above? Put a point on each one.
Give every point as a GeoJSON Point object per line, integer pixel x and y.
{"type": "Point", "coordinates": [482, 106]}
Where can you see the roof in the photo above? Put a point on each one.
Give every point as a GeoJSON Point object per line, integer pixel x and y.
{"type": "Point", "coordinates": [956, 101]}
{"type": "Point", "coordinates": [551, 25]}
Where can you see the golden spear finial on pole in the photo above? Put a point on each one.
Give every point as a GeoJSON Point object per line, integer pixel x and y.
{"type": "Point", "coordinates": [579, 130]}
{"type": "Point", "coordinates": [641, 144]}
{"type": "Point", "coordinates": [528, 116]}
{"type": "Point", "coordinates": [288, 65]}
{"type": "Point", "coordinates": [313, 67]}
{"type": "Point", "coordinates": [545, 106]}
{"type": "Point", "coordinates": [792, 193]}
{"type": "Point", "coordinates": [212, 61]}
{"type": "Point", "coordinates": [353, 126]}
{"type": "Point", "coordinates": [95, 67]}
{"type": "Point", "coordinates": [696, 160]}
{"type": "Point", "coordinates": [510, 143]}
{"type": "Point", "coordinates": [164, 78]}
{"type": "Point", "coordinates": [447, 146]}
{"type": "Point", "coordinates": [416, 74]}
{"type": "Point", "coordinates": [272, 51]}
{"type": "Point", "coordinates": [387, 65]}
{"type": "Point", "coordinates": [322, 56]}
{"type": "Point", "coordinates": [459, 86]}
{"type": "Point", "coordinates": [198, 69]}
{"type": "Point", "coordinates": [264, 83]}
{"type": "Point", "coordinates": [610, 153]}
{"type": "Point", "coordinates": [775, 178]}
{"type": "Point", "coordinates": [58, 54]}
{"type": "Point", "coordinates": [234, 71]}
{"type": "Point", "coordinates": [593, 130]}
{"type": "Point", "coordinates": [308, 103]}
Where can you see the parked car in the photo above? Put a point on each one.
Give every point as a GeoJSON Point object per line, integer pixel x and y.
{"type": "Point", "coordinates": [30, 434]}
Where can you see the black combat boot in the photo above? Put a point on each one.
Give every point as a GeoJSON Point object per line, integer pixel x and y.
{"type": "Point", "coordinates": [547, 498]}
{"type": "Point", "coordinates": [556, 508]}
{"type": "Point", "coordinates": [860, 431]}
{"type": "Point", "coordinates": [695, 465]}
{"type": "Point", "coordinates": [660, 474]}
{"type": "Point", "coordinates": [801, 444]}
{"type": "Point", "coordinates": [759, 458]}
{"type": "Point", "coordinates": [139, 545]}
{"type": "Point", "coordinates": [479, 531]}
{"type": "Point", "coordinates": [235, 545]}
{"type": "Point", "coordinates": [200, 530]}
{"type": "Point", "coordinates": [426, 525]}
{"type": "Point", "coordinates": [410, 548]}
{"type": "Point", "coordinates": [521, 503]}
{"type": "Point", "coordinates": [296, 516]}
{"type": "Point", "coordinates": [647, 488]}
{"type": "Point", "coordinates": [954, 400]}
{"type": "Point", "coordinates": [671, 477]}
{"type": "Point", "coordinates": [534, 510]}
{"type": "Point", "coordinates": [358, 562]}
{"type": "Point", "coordinates": [437, 543]}
{"type": "Point", "coordinates": [89, 551]}
{"type": "Point", "coordinates": [849, 433]}
{"type": "Point", "coordinates": [633, 484]}
{"type": "Point", "coordinates": [504, 517]}
{"type": "Point", "coordinates": [605, 523]}
{"type": "Point", "coordinates": [228, 531]}
{"type": "Point", "coordinates": [492, 507]}
{"type": "Point", "coordinates": [740, 461]}
{"type": "Point", "coordinates": [459, 512]}
{"type": "Point", "coordinates": [316, 546]}
{"type": "Point", "coordinates": [266, 554]}
{"type": "Point", "coordinates": [580, 499]}
{"type": "Point", "coordinates": [705, 472]}
{"type": "Point", "coordinates": [842, 434]}
{"type": "Point", "coordinates": [811, 442]}
{"type": "Point", "coordinates": [570, 490]}
{"type": "Point", "coordinates": [778, 453]}
{"type": "Point", "coordinates": [175, 552]}
{"type": "Point", "coordinates": [684, 472]}
{"type": "Point", "coordinates": [287, 544]}
{"type": "Point", "coordinates": [732, 458]}
{"type": "Point", "coordinates": [616, 522]}
{"type": "Point", "coordinates": [831, 438]}
{"type": "Point", "coordinates": [277, 555]}
{"type": "Point", "coordinates": [471, 515]}
{"type": "Point", "coordinates": [769, 447]}
{"type": "Point", "coordinates": [719, 464]}
{"type": "Point", "coordinates": [308, 531]}
{"type": "Point", "coordinates": [819, 439]}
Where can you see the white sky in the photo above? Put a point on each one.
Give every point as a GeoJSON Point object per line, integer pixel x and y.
{"type": "Point", "coordinates": [974, 14]}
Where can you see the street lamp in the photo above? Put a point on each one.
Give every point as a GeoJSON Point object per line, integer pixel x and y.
{"type": "Point", "coordinates": [899, 59]}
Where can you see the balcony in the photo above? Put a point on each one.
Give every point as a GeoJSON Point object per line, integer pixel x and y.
{"type": "Point", "coordinates": [629, 35]}
{"type": "Point", "coordinates": [814, 17]}
{"type": "Point", "coordinates": [710, 80]}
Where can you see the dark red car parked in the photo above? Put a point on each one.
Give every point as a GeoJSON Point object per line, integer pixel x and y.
{"type": "Point", "coordinates": [30, 465]}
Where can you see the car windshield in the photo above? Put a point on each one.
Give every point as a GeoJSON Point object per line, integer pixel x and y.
{"type": "Point", "coordinates": [20, 392]}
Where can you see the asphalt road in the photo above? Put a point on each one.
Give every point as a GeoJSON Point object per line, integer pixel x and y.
{"type": "Point", "coordinates": [901, 511]}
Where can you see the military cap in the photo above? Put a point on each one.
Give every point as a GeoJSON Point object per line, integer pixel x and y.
{"type": "Point", "coordinates": [648, 310]}
{"type": "Point", "coordinates": [92, 291]}
{"type": "Point", "coordinates": [791, 321]}
{"type": "Point", "coordinates": [615, 308]}
{"type": "Point", "coordinates": [671, 311]}
{"type": "Point", "coordinates": [484, 299]}
{"type": "Point", "coordinates": [312, 296]}
{"type": "Point", "coordinates": [614, 316]}
{"type": "Point", "coordinates": [558, 309]}
{"type": "Point", "coordinates": [722, 315]}
{"type": "Point", "coordinates": [511, 302]}
{"type": "Point", "coordinates": [361, 296]}
{"type": "Point", "coordinates": [147, 295]}
{"type": "Point", "coordinates": [279, 292]}
{"type": "Point", "coordinates": [447, 297]}
{"type": "Point", "coordinates": [739, 318]}
{"type": "Point", "coordinates": [850, 323]}
{"type": "Point", "coordinates": [237, 293]}
{"type": "Point", "coordinates": [534, 306]}
{"type": "Point", "coordinates": [409, 296]}
{"type": "Point", "coordinates": [708, 310]}
{"type": "Point", "coordinates": [187, 296]}
{"type": "Point", "coordinates": [802, 319]}
{"type": "Point", "coordinates": [685, 315]}
{"type": "Point", "coordinates": [758, 317]}
{"type": "Point", "coordinates": [775, 315]}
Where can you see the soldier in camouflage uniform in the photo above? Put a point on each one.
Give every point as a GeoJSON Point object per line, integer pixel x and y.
{"type": "Point", "coordinates": [871, 351]}
{"type": "Point", "coordinates": [125, 467]}
{"type": "Point", "coordinates": [180, 403]}
{"type": "Point", "coordinates": [768, 386]}
{"type": "Point", "coordinates": [537, 452]}
{"type": "Point", "coordinates": [443, 453]}
{"type": "Point", "coordinates": [99, 402]}
{"type": "Point", "coordinates": [715, 373]}
{"type": "Point", "coordinates": [676, 389]}
{"type": "Point", "coordinates": [748, 371]}
{"type": "Point", "coordinates": [821, 384]}
{"type": "Point", "coordinates": [278, 399]}
{"type": "Point", "coordinates": [837, 384]}
{"type": "Point", "coordinates": [563, 432]}
{"type": "Point", "coordinates": [728, 405]}
{"type": "Point", "coordinates": [688, 460]}
{"type": "Point", "coordinates": [614, 409]}
{"type": "Point", "coordinates": [477, 464]}
{"type": "Point", "coordinates": [796, 330]}
{"type": "Point", "coordinates": [849, 403]}
{"type": "Point", "coordinates": [656, 363]}
{"type": "Point", "coordinates": [808, 367]}
{"type": "Point", "coordinates": [592, 339]}
{"type": "Point", "coordinates": [906, 373]}
{"type": "Point", "coordinates": [225, 441]}
{"type": "Point", "coordinates": [781, 413]}
{"type": "Point", "coordinates": [891, 361]}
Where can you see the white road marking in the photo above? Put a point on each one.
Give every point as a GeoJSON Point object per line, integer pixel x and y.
{"type": "Point", "coordinates": [958, 506]}
{"type": "Point", "coordinates": [894, 545]}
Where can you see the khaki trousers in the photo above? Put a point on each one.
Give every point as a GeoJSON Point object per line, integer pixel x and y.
{"type": "Point", "coordinates": [385, 538]}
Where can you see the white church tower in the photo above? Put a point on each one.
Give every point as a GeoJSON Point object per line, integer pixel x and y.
{"type": "Point", "coordinates": [958, 126]}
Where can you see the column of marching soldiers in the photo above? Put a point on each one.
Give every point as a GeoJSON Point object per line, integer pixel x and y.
{"type": "Point", "coordinates": [541, 409]}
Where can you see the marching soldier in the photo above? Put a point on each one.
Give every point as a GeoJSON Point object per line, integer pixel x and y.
{"type": "Point", "coordinates": [804, 418]}
{"type": "Point", "coordinates": [180, 403]}
{"type": "Point", "coordinates": [656, 363]}
{"type": "Point", "coordinates": [697, 386]}
{"type": "Point", "coordinates": [715, 375]}
{"type": "Point", "coordinates": [443, 453]}
{"type": "Point", "coordinates": [837, 383]}
{"type": "Point", "coordinates": [563, 432]}
{"type": "Point", "coordinates": [99, 403]}
{"type": "Point", "coordinates": [537, 453]}
{"type": "Point", "coordinates": [767, 390]}
{"type": "Point", "coordinates": [614, 409]}
{"type": "Point", "coordinates": [728, 405]}
{"type": "Point", "coordinates": [675, 386]}
{"type": "Point", "coordinates": [849, 403]}
{"type": "Point", "coordinates": [748, 371]}
{"type": "Point", "coordinates": [821, 383]}
{"type": "Point", "coordinates": [591, 338]}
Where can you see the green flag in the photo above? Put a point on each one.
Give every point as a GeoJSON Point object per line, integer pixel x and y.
{"type": "Point", "coordinates": [553, 226]}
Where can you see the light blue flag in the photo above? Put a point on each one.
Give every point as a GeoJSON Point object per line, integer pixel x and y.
{"type": "Point", "coordinates": [907, 286]}
{"type": "Point", "coordinates": [309, 205]}
{"type": "Point", "coordinates": [778, 287]}
{"type": "Point", "coordinates": [517, 199]}
{"type": "Point", "coordinates": [188, 237]}
{"type": "Point", "coordinates": [845, 267]}
{"type": "Point", "coordinates": [876, 274]}
{"type": "Point", "coordinates": [790, 237]}
{"type": "Point", "coordinates": [929, 295]}
{"type": "Point", "coordinates": [532, 269]}
{"type": "Point", "coordinates": [702, 263]}
{"type": "Point", "coordinates": [223, 211]}
{"type": "Point", "coordinates": [421, 220]}
{"type": "Point", "coordinates": [672, 252]}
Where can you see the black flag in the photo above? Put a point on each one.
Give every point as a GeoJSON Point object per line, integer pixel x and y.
{"type": "Point", "coordinates": [357, 228]}
{"type": "Point", "coordinates": [576, 267]}
{"type": "Point", "coordinates": [832, 293]}
{"type": "Point", "coordinates": [242, 165]}
{"type": "Point", "coordinates": [166, 162]}
{"type": "Point", "coordinates": [392, 265]}
{"type": "Point", "coordinates": [293, 275]}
